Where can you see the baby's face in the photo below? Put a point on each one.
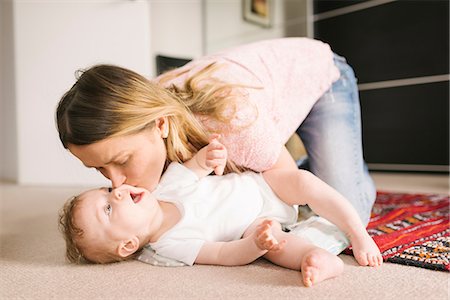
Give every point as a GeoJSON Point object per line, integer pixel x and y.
{"type": "Point", "coordinates": [118, 215]}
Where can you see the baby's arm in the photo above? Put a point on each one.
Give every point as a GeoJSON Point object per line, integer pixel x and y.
{"type": "Point", "coordinates": [243, 251]}
{"type": "Point", "coordinates": [212, 157]}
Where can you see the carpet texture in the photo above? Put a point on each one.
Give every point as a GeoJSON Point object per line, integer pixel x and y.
{"type": "Point", "coordinates": [32, 266]}
{"type": "Point", "coordinates": [412, 229]}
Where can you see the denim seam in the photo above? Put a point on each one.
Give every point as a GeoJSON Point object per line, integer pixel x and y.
{"type": "Point", "coordinates": [360, 175]}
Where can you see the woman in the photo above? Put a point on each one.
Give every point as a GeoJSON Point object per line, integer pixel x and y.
{"type": "Point", "coordinates": [255, 96]}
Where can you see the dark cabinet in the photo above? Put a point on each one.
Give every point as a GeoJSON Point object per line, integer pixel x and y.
{"type": "Point", "coordinates": [400, 53]}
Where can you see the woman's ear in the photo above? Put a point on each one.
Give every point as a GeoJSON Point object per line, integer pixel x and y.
{"type": "Point", "coordinates": [163, 125]}
{"type": "Point", "coordinates": [128, 247]}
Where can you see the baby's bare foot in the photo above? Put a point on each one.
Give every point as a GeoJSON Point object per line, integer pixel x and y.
{"type": "Point", "coordinates": [366, 251]}
{"type": "Point", "coordinates": [319, 265]}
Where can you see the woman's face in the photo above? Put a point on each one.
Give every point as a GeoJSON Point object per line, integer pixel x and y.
{"type": "Point", "coordinates": [136, 159]}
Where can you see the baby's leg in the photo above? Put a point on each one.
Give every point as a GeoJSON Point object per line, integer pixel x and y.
{"type": "Point", "coordinates": [297, 253]}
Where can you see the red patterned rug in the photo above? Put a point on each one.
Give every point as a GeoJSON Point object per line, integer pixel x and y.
{"type": "Point", "coordinates": [412, 229]}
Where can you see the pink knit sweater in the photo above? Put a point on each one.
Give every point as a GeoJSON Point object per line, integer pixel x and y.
{"type": "Point", "coordinates": [294, 74]}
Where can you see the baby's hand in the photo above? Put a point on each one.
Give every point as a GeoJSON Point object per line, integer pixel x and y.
{"type": "Point", "coordinates": [216, 155]}
{"type": "Point", "coordinates": [366, 251]}
{"type": "Point", "coordinates": [264, 238]}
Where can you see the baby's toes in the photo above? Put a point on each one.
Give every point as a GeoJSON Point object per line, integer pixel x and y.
{"type": "Point", "coordinates": [380, 259]}
{"type": "Point", "coordinates": [372, 260]}
{"type": "Point", "coordinates": [307, 279]}
{"type": "Point", "coordinates": [377, 260]}
{"type": "Point", "coordinates": [361, 258]}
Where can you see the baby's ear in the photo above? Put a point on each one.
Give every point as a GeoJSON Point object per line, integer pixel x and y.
{"type": "Point", "coordinates": [128, 247]}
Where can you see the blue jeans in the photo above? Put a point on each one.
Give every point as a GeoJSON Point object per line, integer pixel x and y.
{"type": "Point", "coordinates": [331, 134]}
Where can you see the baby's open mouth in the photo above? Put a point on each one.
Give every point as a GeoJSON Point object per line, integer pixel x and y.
{"type": "Point", "coordinates": [136, 197]}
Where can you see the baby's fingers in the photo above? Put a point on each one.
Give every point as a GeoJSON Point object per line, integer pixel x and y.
{"type": "Point", "coordinates": [219, 169]}
{"type": "Point", "coordinates": [278, 246]}
{"type": "Point", "coordinates": [269, 243]}
{"type": "Point", "coordinates": [263, 232]}
{"type": "Point", "coordinates": [267, 222]}
{"type": "Point", "coordinates": [215, 144]}
{"type": "Point", "coordinates": [213, 137]}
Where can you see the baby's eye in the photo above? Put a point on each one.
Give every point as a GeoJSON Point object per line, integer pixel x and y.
{"type": "Point", "coordinates": [108, 209]}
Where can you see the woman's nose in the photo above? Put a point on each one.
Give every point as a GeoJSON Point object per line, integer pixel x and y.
{"type": "Point", "coordinates": [117, 179]}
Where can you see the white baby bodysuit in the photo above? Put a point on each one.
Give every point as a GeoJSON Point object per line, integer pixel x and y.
{"type": "Point", "coordinates": [214, 208]}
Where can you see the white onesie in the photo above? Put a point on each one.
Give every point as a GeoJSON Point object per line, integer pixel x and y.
{"type": "Point", "coordinates": [214, 208]}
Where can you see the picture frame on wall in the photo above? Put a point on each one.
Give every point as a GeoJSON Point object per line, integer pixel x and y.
{"type": "Point", "coordinates": [258, 12]}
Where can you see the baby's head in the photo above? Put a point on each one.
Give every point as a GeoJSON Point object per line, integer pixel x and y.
{"type": "Point", "coordinates": [104, 225]}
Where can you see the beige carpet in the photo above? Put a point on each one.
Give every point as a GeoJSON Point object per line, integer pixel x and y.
{"type": "Point", "coordinates": [32, 267]}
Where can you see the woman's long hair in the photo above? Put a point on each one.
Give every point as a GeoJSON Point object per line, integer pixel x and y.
{"type": "Point", "coordinates": [108, 101]}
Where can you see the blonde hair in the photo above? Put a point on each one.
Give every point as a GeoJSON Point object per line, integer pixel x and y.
{"type": "Point", "coordinates": [108, 101]}
{"type": "Point", "coordinates": [78, 250]}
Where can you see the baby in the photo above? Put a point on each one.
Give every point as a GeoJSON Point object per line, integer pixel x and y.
{"type": "Point", "coordinates": [219, 220]}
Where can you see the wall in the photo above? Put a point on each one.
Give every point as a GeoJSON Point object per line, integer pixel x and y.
{"type": "Point", "coordinates": [226, 27]}
{"type": "Point", "coordinates": [50, 41]}
{"type": "Point", "coordinates": [45, 41]}
{"type": "Point", "coordinates": [8, 116]}
{"type": "Point", "coordinates": [192, 28]}
{"type": "Point", "coordinates": [176, 29]}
